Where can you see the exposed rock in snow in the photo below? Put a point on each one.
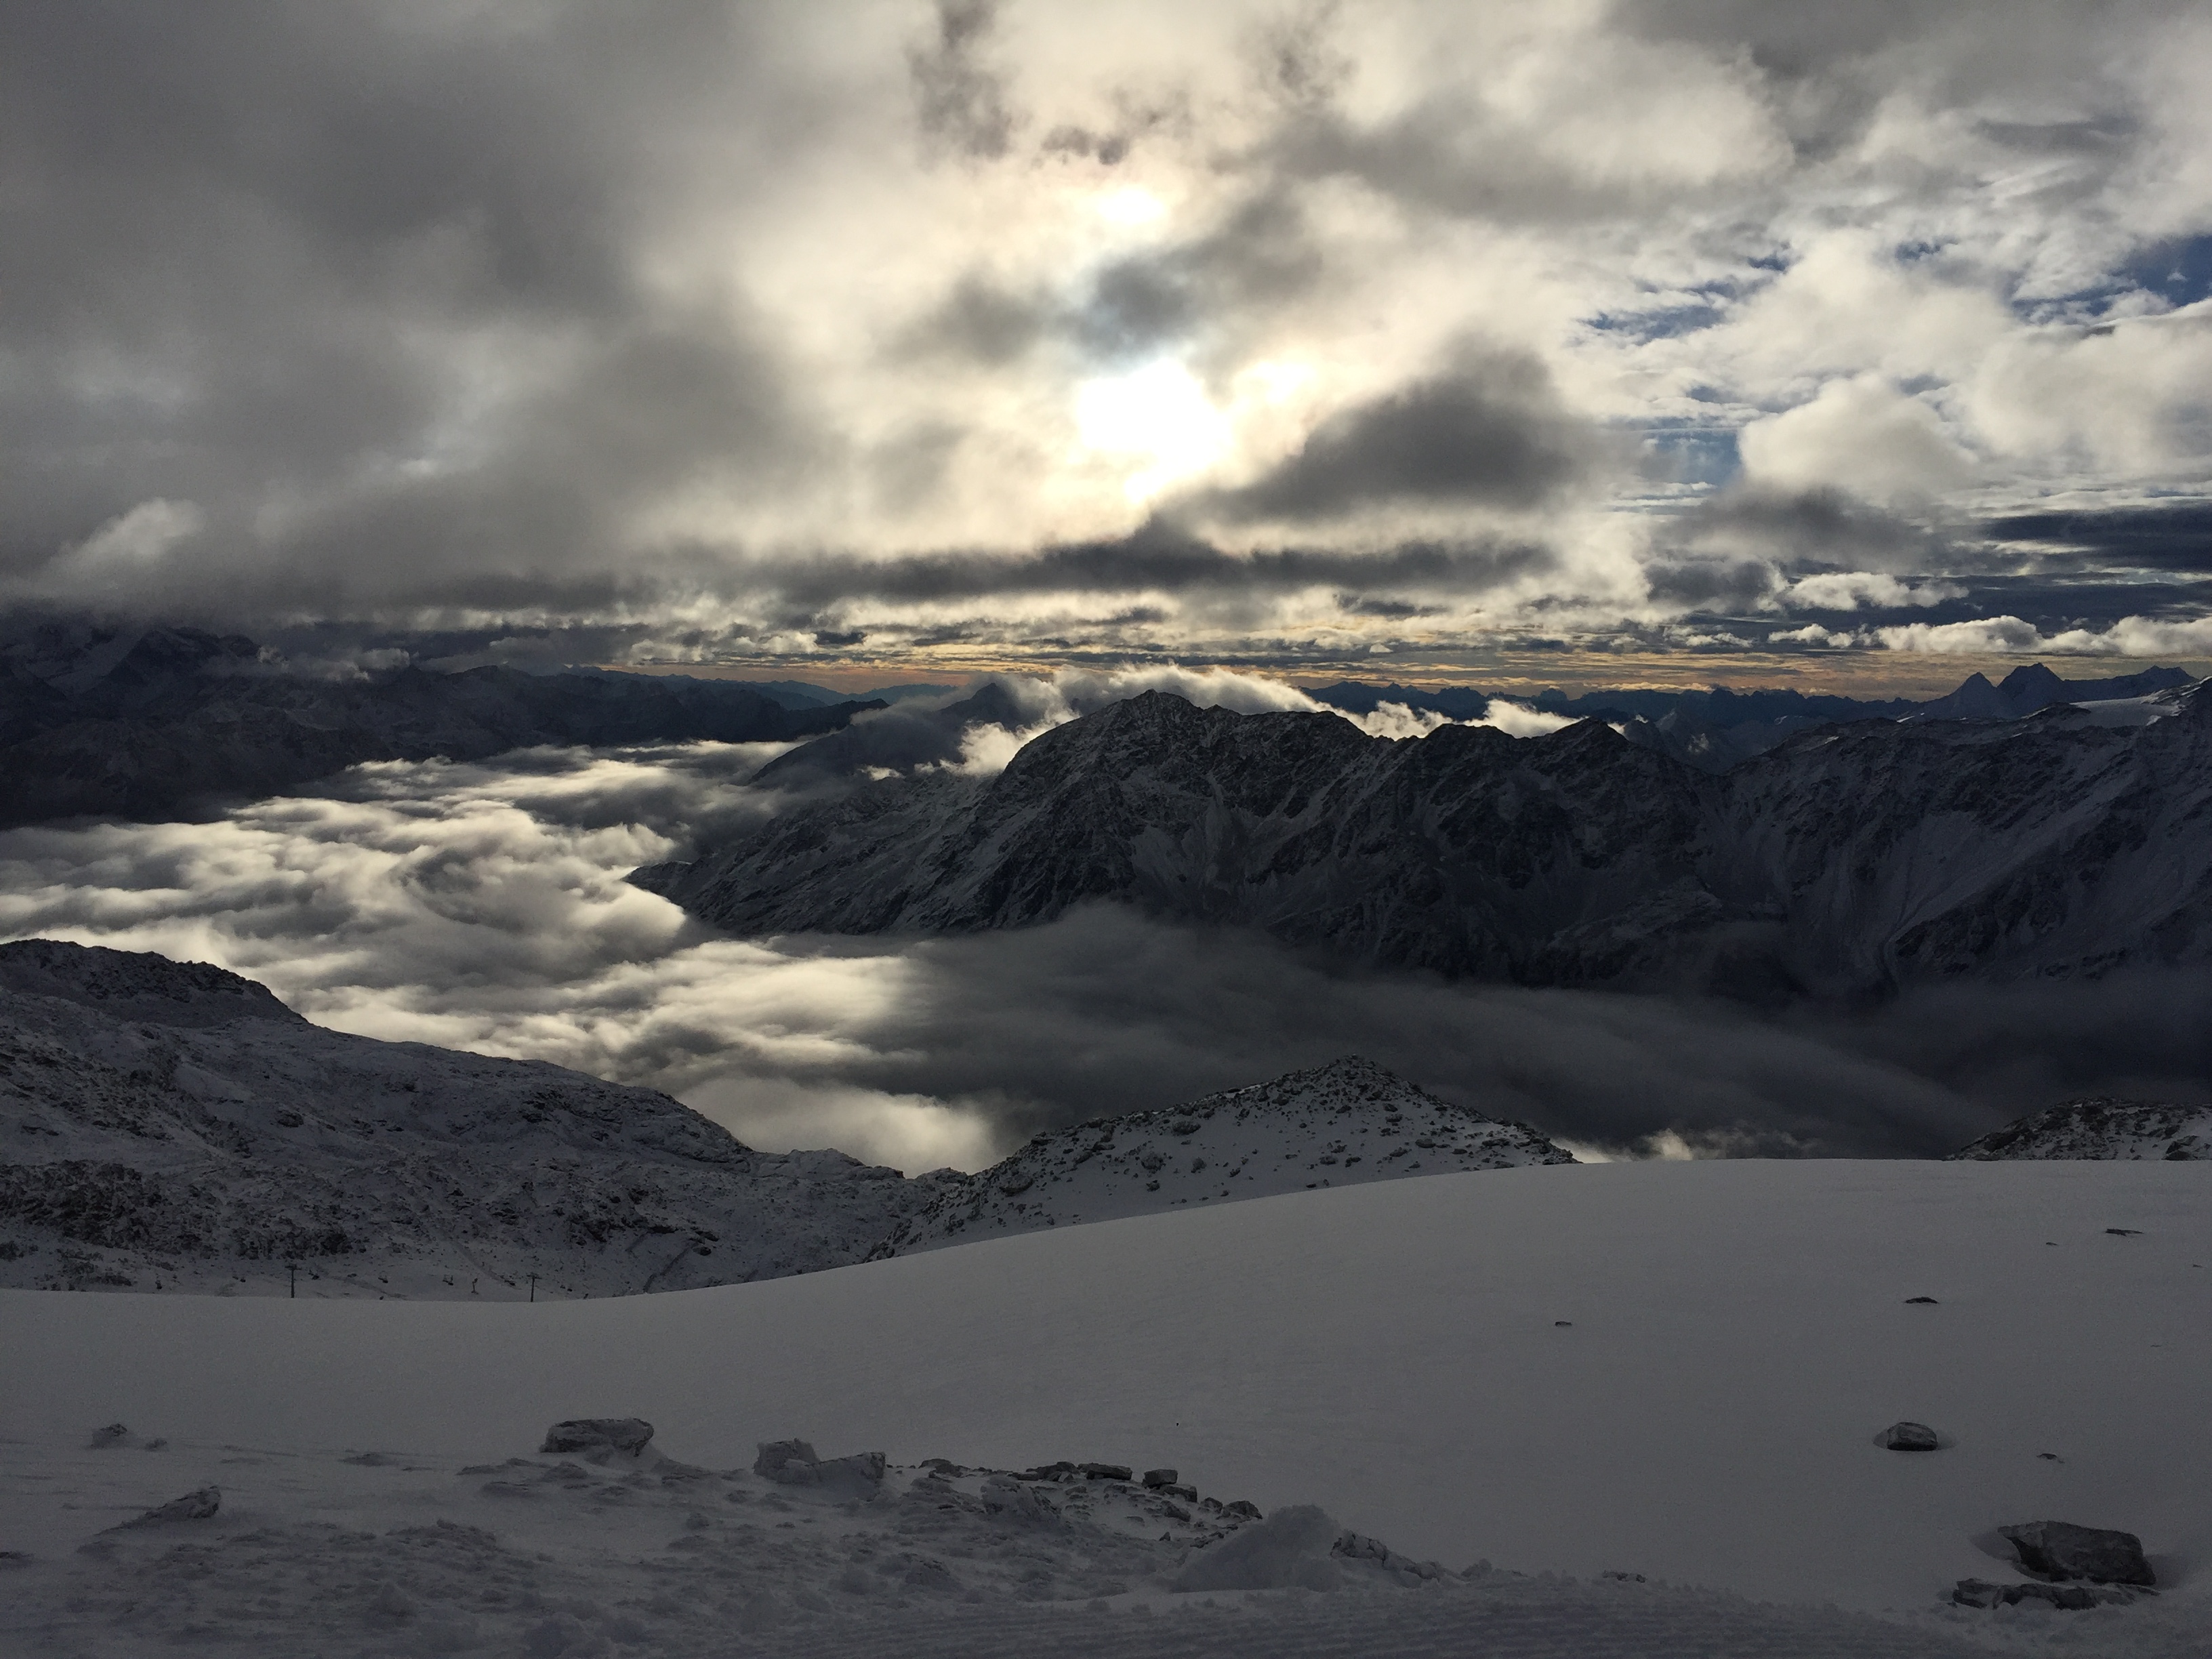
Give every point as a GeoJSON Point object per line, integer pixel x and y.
{"type": "Point", "coordinates": [1850, 859]}
{"type": "Point", "coordinates": [1336, 1125]}
{"type": "Point", "coordinates": [2100, 1127]}
{"type": "Point", "coordinates": [2059, 1549]}
{"type": "Point", "coordinates": [170, 1126]}
{"type": "Point", "coordinates": [1910, 1437]}
{"type": "Point", "coordinates": [2070, 1598]}
{"type": "Point", "coordinates": [201, 1506]}
{"type": "Point", "coordinates": [587, 1434]}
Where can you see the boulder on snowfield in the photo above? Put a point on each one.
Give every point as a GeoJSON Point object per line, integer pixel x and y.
{"type": "Point", "coordinates": [1911, 1437]}
{"type": "Point", "coordinates": [794, 1463]}
{"type": "Point", "coordinates": [1157, 1478]}
{"type": "Point", "coordinates": [591, 1434]}
{"type": "Point", "coordinates": [1242, 1506]}
{"type": "Point", "coordinates": [199, 1505]}
{"type": "Point", "coordinates": [786, 1461]}
{"type": "Point", "coordinates": [1103, 1471]}
{"type": "Point", "coordinates": [2059, 1549]}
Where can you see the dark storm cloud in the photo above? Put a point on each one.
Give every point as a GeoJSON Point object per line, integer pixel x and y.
{"type": "Point", "coordinates": [1489, 430]}
{"type": "Point", "coordinates": [960, 100]}
{"type": "Point", "coordinates": [256, 257]}
{"type": "Point", "coordinates": [1158, 560]}
{"type": "Point", "coordinates": [2176, 537]}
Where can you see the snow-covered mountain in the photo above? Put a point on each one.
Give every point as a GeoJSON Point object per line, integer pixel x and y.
{"type": "Point", "coordinates": [2101, 1128]}
{"type": "Point", "coordinates": [1852, 858]}
{"type": "Point", "coordinates": [171, 1126]}
{"type": "Point", "coordinates": [149, 723]}
{"type": "Point", "coordinates": [1337, 1125]}
{"type": "Point", "coordinates": [168, 1125]}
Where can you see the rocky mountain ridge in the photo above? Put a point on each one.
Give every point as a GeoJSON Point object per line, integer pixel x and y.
{"type": "Point", "coordinates": [169, 1125]}
{"type": "Point", "coordinates": [2101, 1128]}
{"type": "Point", "coordinates": [1851, 859]}
{"type": "Point", "coordinates": [152, 723]}
{"type": "Point", "coordinates": [1338, 1125]}
{"type": "Point", "coordinates": [172, 1125]}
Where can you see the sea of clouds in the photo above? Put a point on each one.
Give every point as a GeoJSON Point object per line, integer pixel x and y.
{"type": "Point", "coordinates": [484, 907]}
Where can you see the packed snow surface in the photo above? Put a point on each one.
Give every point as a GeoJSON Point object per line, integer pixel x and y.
{"type": "Point", "coordinates": [2102, 1128]}
{"type": "Point", "coordinates": [1336, 1125]}
{"type": "Point", "coordinates": [1680, 1370]}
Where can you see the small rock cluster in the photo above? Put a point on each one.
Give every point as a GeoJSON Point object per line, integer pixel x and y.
{"type": "Point", "coordinates": [2076, 1568]}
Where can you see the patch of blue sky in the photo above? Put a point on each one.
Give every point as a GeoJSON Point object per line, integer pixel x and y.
{"type": "Point", "coordinates": [1702, 456]}
{"type": "Point", "coordinates": [2175, 272]}
{"type": "Point", "coordinates": [1661, 322]}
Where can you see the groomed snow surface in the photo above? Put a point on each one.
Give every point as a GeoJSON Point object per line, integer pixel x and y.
{"type": "Point", "coordinates": [1676, 1370]}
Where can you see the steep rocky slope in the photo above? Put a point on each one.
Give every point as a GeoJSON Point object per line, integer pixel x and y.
{"type": "Point", "coordinates": [1851, 858]}
{"type": "Point", "coordinates": [149, 723]}
{"type": "Point", "coordinates": [2128, 1130]}
{"type": "Point", "coordinates": [170, 1125]}
{"type": "Point", "coordinates": [1338, 1125]}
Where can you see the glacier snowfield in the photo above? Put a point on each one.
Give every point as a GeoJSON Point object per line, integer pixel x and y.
{"type": "Point", "coordinates": [1672, 1369]}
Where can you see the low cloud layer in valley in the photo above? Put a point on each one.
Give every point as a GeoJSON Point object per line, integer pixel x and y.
{"type": "Point", "coordinates": [484, 907]}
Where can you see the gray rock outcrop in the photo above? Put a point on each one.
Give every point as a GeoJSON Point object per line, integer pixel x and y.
{"type": "Point", "coordinates": [2059, 1550]}
{"type": "Point", "coordinates": [626, 1434]}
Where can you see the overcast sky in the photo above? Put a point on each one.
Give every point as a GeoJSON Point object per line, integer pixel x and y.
{"type": "Point", "coordinates": [1744, 339]}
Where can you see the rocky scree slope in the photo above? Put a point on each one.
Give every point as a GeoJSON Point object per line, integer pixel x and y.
{"type": "Point", "coordinates": [1336, 1125]}
{"type": "Point", "coordinates": [146, 724]}
{"type": "Point", "coordinates": [2100, 1127]}
{"type": "Point", "coordinates": [171, 1124]}
{"type": "Point", "coordinates": [1850, 860]}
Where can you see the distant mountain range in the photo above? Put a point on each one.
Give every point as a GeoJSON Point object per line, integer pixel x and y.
{"type": "Point", "coordinates": [1850, 859]}
{"type": "Point", "coordinates": [154, 723]}
{"type": "Point", "coordinates": [1717, 728]}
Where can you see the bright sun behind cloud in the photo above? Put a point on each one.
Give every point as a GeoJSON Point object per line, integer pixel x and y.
{"type": "Point", "coordinates": [1160, 418]}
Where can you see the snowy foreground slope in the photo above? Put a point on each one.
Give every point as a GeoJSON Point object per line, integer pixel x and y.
{"type": "Point", "coordinates": [170, 1126]}
{"type": "Point", "coordinates": [1678, 1370]}
{"type": "Point", "coordinates": [1342, 1124]}
{"type": "Point", "coordinates": [2102, 1128]}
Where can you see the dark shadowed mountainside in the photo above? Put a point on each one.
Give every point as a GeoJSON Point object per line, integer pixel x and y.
{"type": "Point", "coordinates": [1851, 859]}
{"type": "Point", "coordinates": [151, 724]}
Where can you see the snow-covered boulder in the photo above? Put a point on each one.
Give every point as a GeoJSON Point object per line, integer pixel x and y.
{"type": "Point", "coordinates": [2059, 1549]}
{"type": "Point", "coordinates": [1290, 1549]}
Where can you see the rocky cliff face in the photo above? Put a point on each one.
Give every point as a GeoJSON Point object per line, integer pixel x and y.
{"type": "Point", "coordinates": [2102, 1128]}
{"type": "Point", "coordinates": [170, 1125]}
{"type": "Point", "coordinates": [151, 723]}
{"type": "Point", "coordinates": [1850, 859]}
{"type": "Point", "coordinates": [1339, 1125]}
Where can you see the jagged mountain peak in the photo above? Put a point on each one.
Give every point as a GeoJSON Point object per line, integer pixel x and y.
{"type": "Point", "coordinates": [1344, 1123]}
